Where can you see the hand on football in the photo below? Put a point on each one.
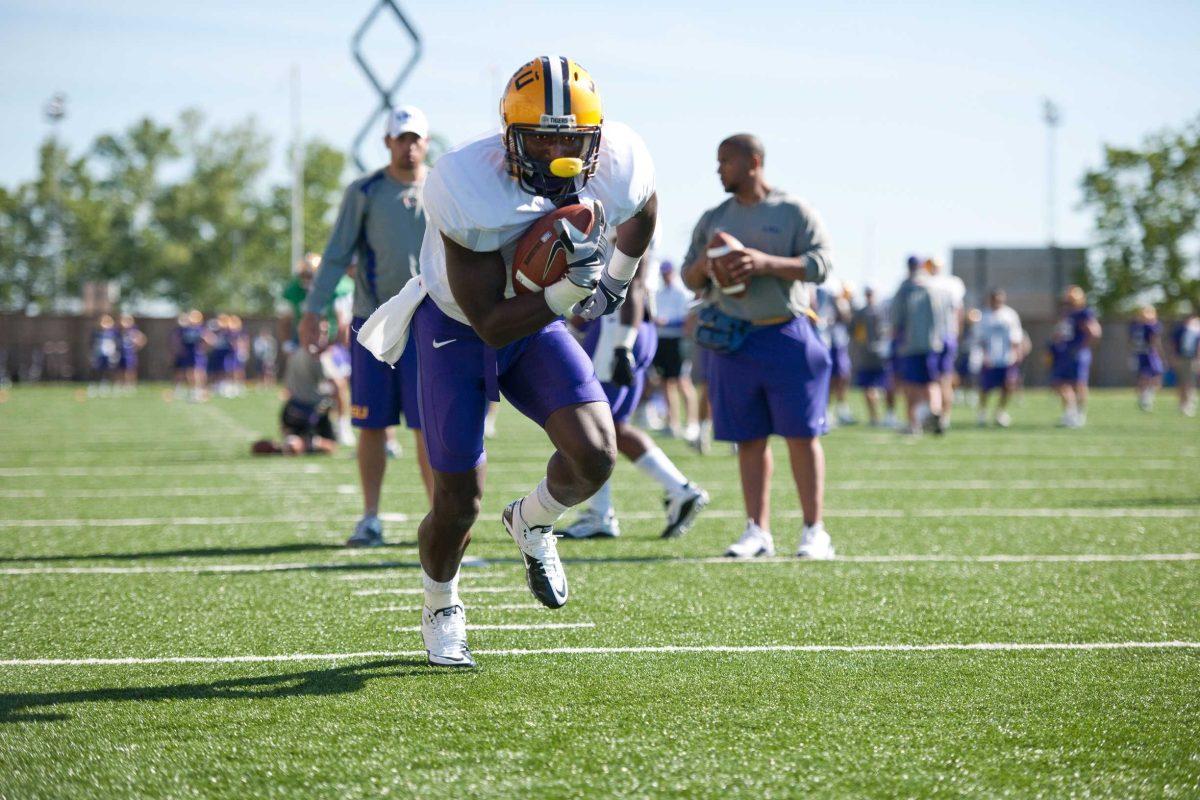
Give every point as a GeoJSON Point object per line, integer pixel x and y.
{"type": "Point", "coordinates": [608, 297]}
{"type": "Point", "coordinates": [744, 264]}
{"type": "Point", "coordinates": [623, 367]}
{"type": "Point", "coordinates": [586, 253]}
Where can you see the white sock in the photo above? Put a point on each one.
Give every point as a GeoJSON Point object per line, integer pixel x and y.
{"type": "Point", "coordinates": [706, 428]}
{"type": "Point", "coordinates": [655, 464]}
{"type": "Point", "coordinates": [441, 594]}
{"type": "Point", "coordinates": [843, 409]}
{"type": "Point", "coordinates": [539, 506]}
{"type": "Point", "coordinates": [601, 503]}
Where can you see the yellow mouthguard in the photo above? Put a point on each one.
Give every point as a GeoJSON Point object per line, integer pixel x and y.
{"type": "Point", "coordinates": [566, 167]}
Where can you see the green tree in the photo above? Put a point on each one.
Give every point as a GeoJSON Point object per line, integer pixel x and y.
{"type": "Point", "coordinates": [1147, 206]}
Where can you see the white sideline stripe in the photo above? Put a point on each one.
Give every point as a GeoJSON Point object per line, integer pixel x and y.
{"type": "Point", "coordinates": [881, 513]}
{"type": "Point", "coordinates": [553, 651]}
{"type": "Point", "coordinates": [475, 608]}
{"type": "Point", "coordinates": [419, 590]}
{"type": "Point", "coordinates": [508, 627]}
{"type": "Point", "coordinates": [1000, 558]}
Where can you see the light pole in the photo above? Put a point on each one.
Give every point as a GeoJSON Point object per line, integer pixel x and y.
{"type": "Point", "coordinates": [55, 111]}
{"type": "Point", "coordinates": [297, 173]}
{"type": "Point", "coordinates": [1052, 118]}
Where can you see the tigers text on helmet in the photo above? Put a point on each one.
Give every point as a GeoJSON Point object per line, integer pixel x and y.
{"type": "Point", "coordinates": [551, 116]}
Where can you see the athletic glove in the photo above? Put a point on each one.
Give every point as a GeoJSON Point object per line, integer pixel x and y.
{"type": "Point", "coordinates": [608, 297]}
{"type": "Point", "coordinates": [623, 366]}
{"type": "Point", "coordinates": [586, 254]}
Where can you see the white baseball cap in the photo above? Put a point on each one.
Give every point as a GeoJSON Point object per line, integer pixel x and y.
{"type": "Point", "coordinates": [407, 119]}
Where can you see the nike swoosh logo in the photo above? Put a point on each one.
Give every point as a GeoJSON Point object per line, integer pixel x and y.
{"type": "Point", "coordinates": [437, 344]}
{"type": "Point", "coordinates": [554, 250]}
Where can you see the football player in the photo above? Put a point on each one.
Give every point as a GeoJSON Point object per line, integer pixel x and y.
{"type": "Point", "coordinates": [873, 336]}
{"type": "Point", "coordinates": [769, 371]}
{"type": "Point", "coordinates": [1145, 340]}
{"type": "Point", "coordinates": [1071, 355]}
{"type": "Point", "coordinates": [381, 224]}
{"type": "Point", "coordinates": [622, 348]}
{"type": "Point", "coordinates": [918, 323]}
{"type": "Point", "coordinates": [477, 339]}
{"type": "Point", "coordinates": [1185, 346]}
{"type": "Point", "coordinates": [1001, 339]}
{"type": "Point", "coordinates": [953, 292]}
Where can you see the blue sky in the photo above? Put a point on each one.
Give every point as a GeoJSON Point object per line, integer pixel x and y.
{"type": "Point", "coordinates": [911, 127]}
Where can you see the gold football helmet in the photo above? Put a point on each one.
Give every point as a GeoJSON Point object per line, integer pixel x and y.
{"type": "Point", "coordinates": [551, 116]}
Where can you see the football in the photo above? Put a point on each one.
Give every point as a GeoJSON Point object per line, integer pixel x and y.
{"type": "Point", "coordinates": [720, 246]}
{"type": "Point", "coordinates": [539, 261]}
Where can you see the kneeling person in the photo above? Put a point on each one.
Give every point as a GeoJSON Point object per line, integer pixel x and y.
{"type": "Point", "coordinates": [304, 422]}
{"type": "Point", "coordinates": [622, 350]}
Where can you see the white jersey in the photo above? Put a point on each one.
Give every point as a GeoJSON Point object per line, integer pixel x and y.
{"type": "Point", "coordinates": [470, 197]}
{"type": "Point", "coordinates": [998, 332]}
{"type": "Point", "coordinates": [954, 293]}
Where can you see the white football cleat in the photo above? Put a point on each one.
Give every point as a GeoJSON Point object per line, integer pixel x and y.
{"type": "Point", "coordinates": [445, 635]}
{"type": "Point", "coordinates": [754, 542]}
{"type": "Point", "coordinates": [1003, 419]}
{"type": "Point", "coordinates": [592, 525]}
{"type": "Point", "coordinates": [815, 543]}
{"type": "Point", "coordinates": [682, 510]}
{"type": "Point", "coordinates": [543, 570]}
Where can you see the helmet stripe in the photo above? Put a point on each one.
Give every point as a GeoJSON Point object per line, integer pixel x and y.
{"type": "Point", "coordinates": [566, 87]}
{"type": "Point", "coordinates": [548, 85]}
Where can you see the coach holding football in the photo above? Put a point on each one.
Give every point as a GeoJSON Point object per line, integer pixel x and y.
{"type": "Point", "coordinates": [381, 223]}
{"type": "Point", "coordinates": [769, 372]}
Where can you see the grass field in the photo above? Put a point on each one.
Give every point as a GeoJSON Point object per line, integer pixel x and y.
{"type": "Point", "coordinates": [180, 620]}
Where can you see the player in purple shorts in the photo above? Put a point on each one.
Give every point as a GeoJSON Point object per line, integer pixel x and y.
{"type": "Point", "coordinates": [1145, 341]}
{"type": "Point", "coordinates": [1185, 347]}
{"type": "Point", "coordinates": [768, 371]}
{"type": "Point", "coordinates": [832, 306]}
{"type": "Point", "coordinates": [379, 229]}
{"type": "Point", "coordinates": [872, 336]}
{"type": "Point", "coordinates": [132, 342]}
{"type": "Point", "coordinates": [1071, 355]}
{"type": "Point", "coordinates": [190, 341]}
{"type": "Point", "coordinates": [919, 324]}
{"type": "Point", "coordinates": [106, 353]}
{"type": "Point", "coordinates": [1000, 339]}
{"type": "Point", "coordinates": [475, 339]}
{"type": "Point", "coordinates": [622, 348]}
{"type": "Point", "coordinates": [953, 292]}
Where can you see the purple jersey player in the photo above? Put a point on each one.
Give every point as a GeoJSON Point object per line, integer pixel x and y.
{"type": "Point", "coordinates": [190, 340]}
{"type": "Point", "coordinates": [769, 372]}
{"type": "Point", "coordinates": [1145, 342]}
{"type": "Point", "coordinates": [1071, 355]}
{"type": "Point", "coordinates": [1185, 348]}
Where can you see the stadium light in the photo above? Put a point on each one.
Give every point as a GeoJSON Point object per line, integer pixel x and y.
{"type": "Point", "coordinates": [1052, 117]}
{"type": "Point", "coordinates": [385, 93]}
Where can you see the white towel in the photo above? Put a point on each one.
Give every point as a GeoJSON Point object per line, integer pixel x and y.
{"type": "Point", "coordinates": [385, 333]}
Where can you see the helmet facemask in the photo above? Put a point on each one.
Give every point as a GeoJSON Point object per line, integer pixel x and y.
{"type": "Point", "coordinates": [552, 161]}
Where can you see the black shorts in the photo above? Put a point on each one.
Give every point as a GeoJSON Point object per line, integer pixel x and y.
{"type": "Point", "coordinates": [300, 419]}
{"type": "Point", "coordinates": [668, 359]}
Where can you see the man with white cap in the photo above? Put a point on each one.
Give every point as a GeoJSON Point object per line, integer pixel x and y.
{"type": "Point", "coordinates": [380, 226]}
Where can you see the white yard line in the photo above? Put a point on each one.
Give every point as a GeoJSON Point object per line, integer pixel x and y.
{"type": "Point", "coordinates": [715, 513]}
{"type": "Point", "coordinates": [469, 590]}
{"type": "Point", "coordinates": [475, 607]}
{"type": "Point", "coordinates": [508, 627]}
{"type": "Point", "coordinates": [886, 558]}
{"type": "Point", "coordinates": [733, 649]}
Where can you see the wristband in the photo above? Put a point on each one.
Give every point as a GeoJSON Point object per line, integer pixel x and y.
{"type": "Point", "coordinates": [625, 336]}
{"type": "Point", "coordinates": [621, 266]}
{"type": "Point", "coordinates": [563, 295]}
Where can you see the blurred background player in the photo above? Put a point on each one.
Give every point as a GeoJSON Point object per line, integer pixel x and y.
{"type": "Point", "coordinates": [304, 421]}
{"type": "Point", "coordinates": [132, 342]}
{"type": "Point", "coordinates": [953, 292]}
{"type": "Point", "coordinates": [671, 304]}
{"type": "Point", "coordinates": [622, 347]}
{"type": "Point", "coordinates": [1000, 339]}
{"type": "Point", "coordinates": [1145, 341]}
{"type": "Point", "coordinates": [701, 358]}
{"type": "Point", "coordinates": [235, 362]}
{"type": "Point", "coordinates": [219, 350]}
{"type": "Point", "coordinates": [969, 360]}
{"type": "Point", "coordinates": [265, 349]}
{"type": "Point", "coordinates": [190, 339]}
{"type": "Point", "coordinates": [872, 337]}
{"type": "Point", "coordinates": [1071, 355]}
{"type": "Point", "coordinates": [295, 295]}
{"type": "Point", "coordinates": [1185, 347]}
{"type": "Point", "coordinates": [775, 380]}
{"type": "Point", "coordinates": [918, 323]}
{"type": "Point", "coordinates": [106, 355]}
{"type": "Point", "coordinates": [381, 223]}
{"type": "Point", "coordinates": [832, 304]}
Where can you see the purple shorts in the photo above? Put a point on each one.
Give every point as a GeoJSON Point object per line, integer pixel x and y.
{"type": "Point", "coordinates": [872, 378]}
{"type": "Point", "coordinates": [624, 399]}
{"type": "Point", "coordinates": [945, 363]}
{"type": "Point", "coordinates": [840, 358]}
{"type": "Point", "coordinates": [920, 368]}
{"type": "Point", "coordinates": [380, 393]}
{"type": "Point", "coordinates": [776, 383]}
{"type": "Point", "coordinates": [997, 377]}
{"type": "Point", "coordinates": [1149, 365]}
{"type": "Point", "coordinates": [538, 374]}
{"type": "Point", "coordinates": [1071, 367]}
{"type": "Point", "coordinates": [189, 359]}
